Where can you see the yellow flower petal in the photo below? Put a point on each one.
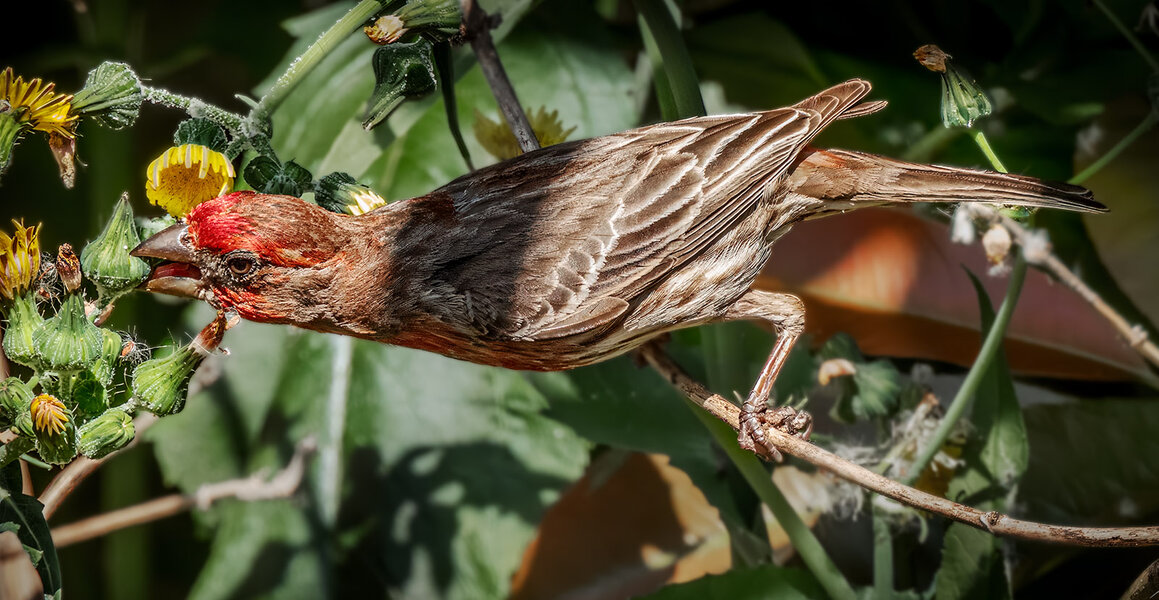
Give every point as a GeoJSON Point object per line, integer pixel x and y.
{"type": "Point", "coordinates": [19, 260]}
{"type": "Point", "coordinates": [185, 176]}
{"type": "Point", "coordinates": [49, 414]}
{"type": "Point", "coordinates": [38, 105]}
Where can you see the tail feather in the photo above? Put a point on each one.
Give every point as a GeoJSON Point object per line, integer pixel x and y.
{"type": "Point", "coordinates": [861, 179]}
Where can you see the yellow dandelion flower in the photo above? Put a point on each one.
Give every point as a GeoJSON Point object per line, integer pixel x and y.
{"type": "Point", "coordinates": [19, 260]}
{"type": "Point", "coordinates": [35, 103]}
{"type": "Point", "coordinates": [497, 139]}
{"type": "Point", "coordinates": [185, 176]}
{"type": "Point", "coordinates": [49, 414]}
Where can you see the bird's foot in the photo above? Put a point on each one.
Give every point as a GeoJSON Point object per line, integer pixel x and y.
{"type": "Point", "coordinates": [755, 416]}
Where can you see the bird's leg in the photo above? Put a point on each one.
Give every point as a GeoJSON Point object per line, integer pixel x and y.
{"type": "Point", "coordinates": [786, 313]}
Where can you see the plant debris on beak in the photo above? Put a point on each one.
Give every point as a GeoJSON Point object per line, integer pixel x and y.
{"type": "Point", "coordinates": [177, 274]}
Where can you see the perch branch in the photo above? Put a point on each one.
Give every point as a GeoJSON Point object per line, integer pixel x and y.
{"type": "Point", "coordinates": [249, 489]}
{"type": "Point", "coordinates": [994, 522]}
{"type": "Point", "coordinates": [1038, 253]}
{"type": "Point", "coordinates": [478, 31]}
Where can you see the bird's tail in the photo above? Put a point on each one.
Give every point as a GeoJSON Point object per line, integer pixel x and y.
{"type": "Point", "coordinates": [842, 179]}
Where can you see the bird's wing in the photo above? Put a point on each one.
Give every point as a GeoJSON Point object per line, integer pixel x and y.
{"type": "Point", "coordinates": [562, 240]}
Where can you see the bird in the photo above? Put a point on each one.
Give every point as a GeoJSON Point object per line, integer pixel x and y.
{"type": "Point", "coordinates": [574, 253]}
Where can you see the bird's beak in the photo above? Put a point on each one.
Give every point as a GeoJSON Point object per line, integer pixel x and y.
{"type": "Point", "coordinates": [178, 274]}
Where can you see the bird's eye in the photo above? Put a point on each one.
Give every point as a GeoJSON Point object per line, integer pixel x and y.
{"type": "Point", "coordinates": [240, 265]}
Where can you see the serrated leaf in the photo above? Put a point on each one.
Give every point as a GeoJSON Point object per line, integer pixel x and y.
{"type": "Point", "coordinates": [27, 516]}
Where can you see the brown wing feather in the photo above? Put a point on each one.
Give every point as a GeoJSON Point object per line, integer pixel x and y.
{"type": "Point", "coordinates": [652, 199]}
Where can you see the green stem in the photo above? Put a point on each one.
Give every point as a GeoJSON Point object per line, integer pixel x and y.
{"type": "Point", "coordinates": [970, 384]}
{"type": "Point", "coordinates": [980, 139]}
{"type": "Point", "coordinates": [12, 450]}
{"type": "Point", "coordinates": [195, 107]}
{"type": "Point", "coordinates": [882, 555]}
{"type": "Point", "coordinates": [313, 55]}
{"type": "Point", "coordinates": [1130, 35]}
{"type": "Point", "coordinates": [802, 538]}
{"type": "Point", "coordinates": [1143, 127]}
{"type": "Point", "coordinates": [670, 61]}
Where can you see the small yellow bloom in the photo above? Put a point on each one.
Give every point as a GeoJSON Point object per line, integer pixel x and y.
{"type": "Point", "coordinates": [38, 105]}
{"type": "Point", "coordinates": [498, 140]}
{"type": "Point", "coordinates": [185, 176]}
{"type": "Point", "coordinates": [49, 414]}
{"type": "Point", "coordinates": [19, 260]}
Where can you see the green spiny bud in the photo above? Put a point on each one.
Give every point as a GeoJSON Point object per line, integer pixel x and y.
{"type": "Point", "coordinates": [106, 259]}
{"type": "Point", "coordinates": [68, 341]}
{"type": "Point", "coordinates": [401, 72]}
{"type": "Point", "coordinates": [54, 429]}
{"type": "Point", "coordinates": [160, 383]}
{"type": "Point", "coordinates": [23, 322]}
{"type": "Point", "coordinates": [105, 434]}
{"type": "Point", "coordinates": [15, 398]}
{"type": "Point", "coordinates": [341, 193]}
{"type": "Point", "coordinates": [111, 94]}
{"type": "Point", "coordinates": [111, 347]}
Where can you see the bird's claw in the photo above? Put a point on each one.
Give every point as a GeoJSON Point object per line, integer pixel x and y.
{"type": "Point", "coordinates": [755, 416]}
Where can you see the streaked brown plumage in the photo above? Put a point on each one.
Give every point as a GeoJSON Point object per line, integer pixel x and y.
{"type": "Point", "coordinates": [571, 254]}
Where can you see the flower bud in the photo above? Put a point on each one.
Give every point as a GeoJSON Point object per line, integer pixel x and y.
{"type": "Point", "coordinates": [15, 398]}
{"type": "Point", "coordinates": [68, 341]}
{"type": "Point", "coordinates": [54, 429]}
{"type": "Point", "coordinates": [68, 268]}
{"type": "Point", "coordinates": [401, 72]}
{"type": "Point", "coordinates": [341, 193]}
{"type": "Point", "coordinates": [106, 259]}
{"type": "Point", "coordinates": [439, 18]}
{"type": "Point", "coordinates": [105, 434]}
{"type": "Point", "coordinates": [23, 322]}
{"type": "Point", "coordinates": [111, 348]}
{"type": "Point", "coordinates": [963, 101]}
{"type": "Point", "coordinates": [160, 384]}
{"type": "Point", "coordinates": [111, 95]}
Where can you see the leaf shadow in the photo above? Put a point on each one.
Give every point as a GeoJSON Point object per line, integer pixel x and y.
{"type": "Point", "coordinates": [408, 518]}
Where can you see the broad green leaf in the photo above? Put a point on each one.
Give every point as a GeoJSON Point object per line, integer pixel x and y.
{"type": "Point", "coordinates": [758, 583]}
{"type": "Point", "coordinates": [972, 566]}
{"type": "Point", "coordinates": [1092, 462]}
{"type": "Point", "coordinates": [24, 515]}
{"type": "Point", "coordinates": [430, 457]}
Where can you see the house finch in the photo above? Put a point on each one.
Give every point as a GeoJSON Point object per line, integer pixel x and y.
{"type": "Point", "coordinates": [571, 254]}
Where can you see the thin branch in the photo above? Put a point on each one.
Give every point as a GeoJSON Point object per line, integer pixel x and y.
{"type": "Point", "coordinates": [1037, 252]}
{"type": "Point", "coordinates": [249, 489]}
{"type": "Point", "coordinates": [994, 522]}
{"type": "Point", "coordinates": [478, 31]}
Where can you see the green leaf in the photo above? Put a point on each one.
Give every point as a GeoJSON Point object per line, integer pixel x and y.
{"type": "Point", "coordinates": [759, 583]}
{"type": "Point", "coordinates": [972, 566]}
{"type": "Point", "coordinates": [27, 516]}
{"type": "Point", "coordinates": [430, 472]}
